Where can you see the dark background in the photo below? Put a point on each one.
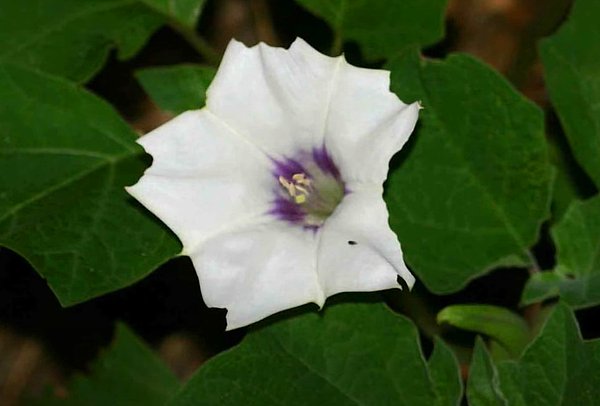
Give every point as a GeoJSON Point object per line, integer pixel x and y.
{"type": "Point", "coordinates": [42, 344]}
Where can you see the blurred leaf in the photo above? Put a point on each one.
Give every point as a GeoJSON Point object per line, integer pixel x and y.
{"type": "Point", "coordinates": [66, 157]}
{"type": "Point", "coordinates": [352, 354]}
{"type": "Point", "coordinates": [558, 368]}
{"type": "Point", "coordinates": [502, 325]}
{"type": "Point", "coordinates": [483, 376]}
{"type": "Point", "coordinates": [129, 373]}
{"type": "Point", "coordinates": [177, 88]}
{"type": "Point", "coordinates": [383, 27]}
{"type": "Point", "coordinates": [577, 273]}
{"type": "Point", "coordinates": [72, 38]}
{"type": "Point", "coordinates": [185, 12]}
{"type": "Point", "coordinates": [571, 61]}
{"type": "Point", "coordinates": [474, 185]}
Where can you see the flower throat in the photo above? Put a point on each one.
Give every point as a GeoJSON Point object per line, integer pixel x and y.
{"type": "Point", "coordinates": [309, 189]}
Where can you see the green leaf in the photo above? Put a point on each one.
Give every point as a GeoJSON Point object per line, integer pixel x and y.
{"type": "Point", "coordinates": [474, 184]}
{"type": "Point", "coordinates": [483, 376]}
{"type": "Point", "coordinates": [565, 189]}
{"type": "Point", "coordinates": [72, 38]}
{"type": "Point", "coordinates": [352, 354]}
{"type": "Point", "coordinates": [571, 61]}
{"type": "Point", "coordinates": [129, 373]}
{"type": "Point", "coordinates": [185, 12]}
{"type": "Point", "coordinates": [541, 286]}
{"type": "Point", "coordinates": [507, 328]}
{"type": "Point", "coordinates": [445, 374]}
{"type": "Point", "coordinates": [177, 88]}
{"type": "Point", "coordinates": [66, 156]}
{"type": "Point", "coordinates": [383, 27]}
{"type": "Point", "coordinates": [577, 273]}
{"type": "Point", "coordinates": [558, 368]}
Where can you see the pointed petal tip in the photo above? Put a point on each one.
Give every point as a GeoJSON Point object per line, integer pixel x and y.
{"type": "Point", "coordinates": [415, 107]}
{"type": "Point", "coordinates": [408, 278]}
{"type": "Point", "coordinates": [143, 141]}
{"type": "Point", "coordinates": [230, 326]}
{"type": "Point", "coordinates": [231, 322]}
{"type": "Point", "coordinates": [410, 115]}
{"type": "Point", "coordinates": [233, 42]}
{"type": "Point", "coordinates": [299, 45]}
{"type": "Point", "coordinates": [320, 301]}
{"type": "Point", "coordinates": [131, 189]}
{"type": "Point", "coordinates": [137, 193]}
{"type": "Point", "coordinates": [299, 42]}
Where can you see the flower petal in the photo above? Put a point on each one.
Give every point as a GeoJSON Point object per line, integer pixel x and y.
{"type": "Point", "coordinates": [367, 123]}
{"type": "Point", "coordinates": [358, 252]}
{"type": "Point", "coordinates": [257, 271]}
{"type": "Point", "coordinates": [277, 98]}
{"type": "Point", "coordinates": [213, 180]}
{"type": "Point", "coordinates": [203, 178]}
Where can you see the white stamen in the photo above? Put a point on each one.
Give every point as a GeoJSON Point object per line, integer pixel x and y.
{"type": "Point", "coordinates": [302, 189]}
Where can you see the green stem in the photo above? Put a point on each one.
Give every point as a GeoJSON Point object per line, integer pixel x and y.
{"type": "Point", "coordinates": [338, 44]}
{"type": "Point", "coordinates": [197, 42]}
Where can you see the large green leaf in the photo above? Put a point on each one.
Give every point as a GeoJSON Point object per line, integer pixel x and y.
{"type": "Point", "coordinates": [474, 186]}
{"type": "Point", "coordinates": [72, 38]}
{"type": "Point", "coordinates": [577, 274]}
{"type": "Point", "coordinates": [65, 157]}
{"type": "Point", "coordinates": [572, 67]}
{"type": "Point", "coordinates": [129, 373]}
{"type": "Point", "coordinates": [352, 354]}
{"type": "Point", "coordinates": [383, 27]}
{"type": "Point", "coordinates": [185, 12]}
{"type": "Point", "coordinates": [177, 88]}
{"type": "Point", "coordinates": [558, 368]}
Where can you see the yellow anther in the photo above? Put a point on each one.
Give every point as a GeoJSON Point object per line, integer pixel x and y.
{"type": "Point", "coordinates": [301, 179]}
{"type": "Point", "coordinates": [299, 199]}
{"type": "Point", "coordinates": [298, 188]}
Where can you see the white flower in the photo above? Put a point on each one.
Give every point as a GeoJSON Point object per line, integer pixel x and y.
{"type": "Point", "coordinates": [275, 187]}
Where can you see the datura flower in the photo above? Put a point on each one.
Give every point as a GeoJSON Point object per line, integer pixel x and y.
{"type": "Point", "coordinates": [275, 187]}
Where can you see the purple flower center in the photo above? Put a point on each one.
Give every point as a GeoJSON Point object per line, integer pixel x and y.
{"type": "Point", "coordinates": [307, 189]}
